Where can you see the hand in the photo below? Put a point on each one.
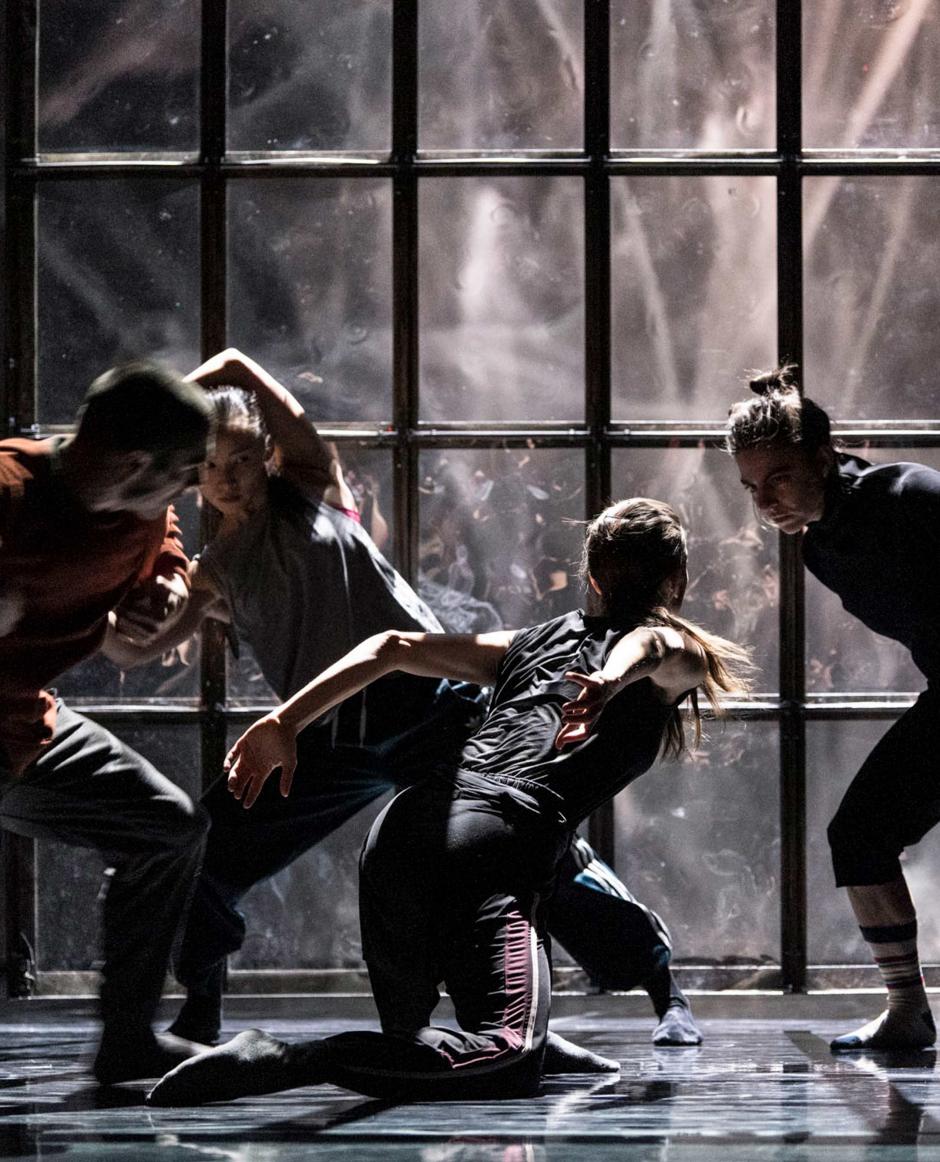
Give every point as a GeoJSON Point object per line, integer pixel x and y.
{"type": "Point", "coordinates": [145, 611]}
{"type": "Point", "coordinates": [578, 716]}
{"type": "Point", "coordinates": [263, 747]}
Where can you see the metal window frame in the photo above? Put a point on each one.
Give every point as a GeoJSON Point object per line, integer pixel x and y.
{"type": "Point", "coordinates": [596, 436]}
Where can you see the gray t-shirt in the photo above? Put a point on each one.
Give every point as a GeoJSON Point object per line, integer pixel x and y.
{"type": "Point", "coordinates": [304, 584]}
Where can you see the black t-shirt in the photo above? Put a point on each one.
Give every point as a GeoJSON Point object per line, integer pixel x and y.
{"type": "Point", "coordinates": [517, 737]}
{"type": "Point", "coordinates": [877, 546]}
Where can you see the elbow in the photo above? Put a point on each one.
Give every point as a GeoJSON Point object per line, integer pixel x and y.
{"type": "Point", "coordinates": [389, 649]}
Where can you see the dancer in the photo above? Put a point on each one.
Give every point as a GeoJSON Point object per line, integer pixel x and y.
{"type": "Point", "coordinates": [872, 535]}
{"type": "Point", "coordinates": [300, 579]}
{"type": "Point", "coordinates": [455, 870]}
{"type": "Point", "coordinates": [84, 527]}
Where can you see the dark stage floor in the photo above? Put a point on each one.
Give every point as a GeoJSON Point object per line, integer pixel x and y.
{"type": "Point", "coordinates": [759, 1089]}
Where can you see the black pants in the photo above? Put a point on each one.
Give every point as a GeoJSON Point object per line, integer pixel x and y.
{"type": "Point", "coordinates": [618, 941]}
{"type": "Point", "coordinates": [453, 877]}
{"type": "Point", "coordinates": [89, 790]}
{"type": "Point", "coordinates": [893, 801]}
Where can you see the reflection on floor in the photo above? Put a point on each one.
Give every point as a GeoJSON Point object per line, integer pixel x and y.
{"type": "Point", "coordinates": [759, 1089]}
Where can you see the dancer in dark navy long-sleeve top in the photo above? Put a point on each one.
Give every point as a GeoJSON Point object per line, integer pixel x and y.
{"type": "Point", "coordinates": [456, 870]}
{"type": "Point", "coordinates": [872, 536]}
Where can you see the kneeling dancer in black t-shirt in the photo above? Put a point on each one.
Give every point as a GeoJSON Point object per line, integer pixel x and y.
{"type": "Point", "coordinates": [456, 871]}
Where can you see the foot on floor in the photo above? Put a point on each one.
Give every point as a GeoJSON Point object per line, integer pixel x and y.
{"type": "Point", "coordinates": [151, 1055]}
{"type": "Point", "coordinates": [199, 1019]}
{"type": "Point", "coordinates": [250, 1064]}
{"type": "Point", "coordinates": [894, 1029]}
{"type": "Point", "coordinates": [563, 1056]}
{"type": "Point", "coordinates": [677, 1026]}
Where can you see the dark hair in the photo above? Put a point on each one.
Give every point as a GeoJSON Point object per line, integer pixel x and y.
{"type": "Point", "coordinates": [632, 549]}
{"type": "Point", "coordinates": [235, 408]}
{"type": "Point", "coordinates": [143, 407]}
{"type": "Point", "coordinates": [780, 415]}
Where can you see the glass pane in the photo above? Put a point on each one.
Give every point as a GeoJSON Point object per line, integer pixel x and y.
{"type": "Point", "coordinates": [733, 573]}
{"type": "Point", "coordinates": [307, 916]}
{"type": "Point", "coordinates": [495, 549]}
{"type": "Point", "coordinates": [171, 678]}
{"type": "Point", "coordinates": [869, 75]}
{"type": "Point", "coordinates": [118, 76]}
{"type": "Point", "coordinates": [118, 279]}
{"type": "Point", "coordinates": [71, 877]}
{"type": "Point", "coordinates": [502, 299]}
{"type": "Point", "coordinates": [311, 76]}
{"type": "Point", "coordinates": [310, 293]}
{"type": "Point", "coordinates": [692, 76]}
{"type": "Point", "coordinates": [835, 752]}
{"type": "Point", "coordinates": [694, 296]}
{"type": "Point", "coordinates": [369, 473]}
{"type": "Point", "coordinates": [841, 653]}
{"type": "Point", "coordinates": [699, 842]}
{"type": "Point", "coordinates": [501, 74]}
{"type": "Point", "coordinates": [871, 250]}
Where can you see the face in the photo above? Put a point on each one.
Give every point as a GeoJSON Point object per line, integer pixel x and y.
{"type": "Point", "coordinates": [233, 478]}
{"type": "Point", "coordinates": [134, 483]}
{"type": "Point", "coordinates": [788, 487]}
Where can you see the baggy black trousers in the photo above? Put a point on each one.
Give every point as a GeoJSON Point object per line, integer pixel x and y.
{"type": "Point", "coordinates": [89, 790]}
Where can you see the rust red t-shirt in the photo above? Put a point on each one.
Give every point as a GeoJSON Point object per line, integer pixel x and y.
{"type": "Point", "coordinates": [67, 568]}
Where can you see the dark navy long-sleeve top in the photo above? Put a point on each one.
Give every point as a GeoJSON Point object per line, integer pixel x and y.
{"type": "Point", "coordinates": [877, 546]}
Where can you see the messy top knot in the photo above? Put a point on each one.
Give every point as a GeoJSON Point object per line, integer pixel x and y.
{"type": "Point", "coordinates": [780, 415]}
{"type": "Point", "coordinates": [780, 379]}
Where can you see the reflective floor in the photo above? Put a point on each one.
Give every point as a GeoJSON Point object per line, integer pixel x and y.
{"type": "Point", "coordinates": [757, 1090]}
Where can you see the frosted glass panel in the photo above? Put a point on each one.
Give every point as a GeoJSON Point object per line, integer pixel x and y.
{"type": "Point", "coordinates": [118, 279]}
{"type": "Point", "coordinates": [500, 74]}
{"type": "Point", "coordinates": [502, 299]}
{"type": "Point", "coordinates": [842, 654]}
{"type": "Point", "coordinates": [495, 550]}
{"type": "Point", "coordinates": [310, 290]}
{"type": "Point", "coordinates": [871, 252]}
{"type": "Point", "coordinates": [690, 75]}
{"type": "Point", "coordinates": [734, 578]}
{"type": "Point", "coordinates": [699, 842]}
{"type": "Point", "coordinates": [836, 750]}
{"type": "Point", "coordinates": [694, 300]}
{"type": "Point", "coordinates": [310, 76]}
{"type": "Point", "coordinates": [71, 877]}
{"type": "Point", "coordinates": [869, 74]}
{"type": "Point", "coordinates": [118, 76]}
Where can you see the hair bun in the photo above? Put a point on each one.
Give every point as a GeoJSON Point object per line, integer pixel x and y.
{"type": "Point", "coordinates": [780, 379]}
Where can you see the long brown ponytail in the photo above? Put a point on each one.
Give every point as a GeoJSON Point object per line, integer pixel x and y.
{"type": "Point", "coordinates": [634, 550]}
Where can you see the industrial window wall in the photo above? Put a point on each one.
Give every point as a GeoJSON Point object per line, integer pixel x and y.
{"type": "Point", "coordinates": [514, 256]}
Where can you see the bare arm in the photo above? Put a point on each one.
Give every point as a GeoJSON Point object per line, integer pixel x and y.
{"type": "Point", "coordinates": [667, 657]}
{"type": "Point", "coordinates": [302, 454]}
{"type": "Point", "coordinates": [271, 741]}
{"type": "Point", "coordinates": [126, 652]}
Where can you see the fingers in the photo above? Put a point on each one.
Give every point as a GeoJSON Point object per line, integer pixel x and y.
{"type": "Point", "coordinates": [287, 777]}
{"type": "Point", "coordinates": [570, 733]}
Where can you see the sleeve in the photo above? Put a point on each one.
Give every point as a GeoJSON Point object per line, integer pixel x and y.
{"type": "Point", "coordinates": [919, 510]}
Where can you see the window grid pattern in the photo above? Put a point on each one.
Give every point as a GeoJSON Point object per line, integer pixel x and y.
{"type": "Point", "coordinates": [407, 437]}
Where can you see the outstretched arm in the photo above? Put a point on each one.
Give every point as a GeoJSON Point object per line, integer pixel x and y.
{"type": "Point", "coordinates": [302, 454]}
{"type": "Point", "coordinates": [673, 661]}
{"type": "Point", "coordinates": [271, 741]}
